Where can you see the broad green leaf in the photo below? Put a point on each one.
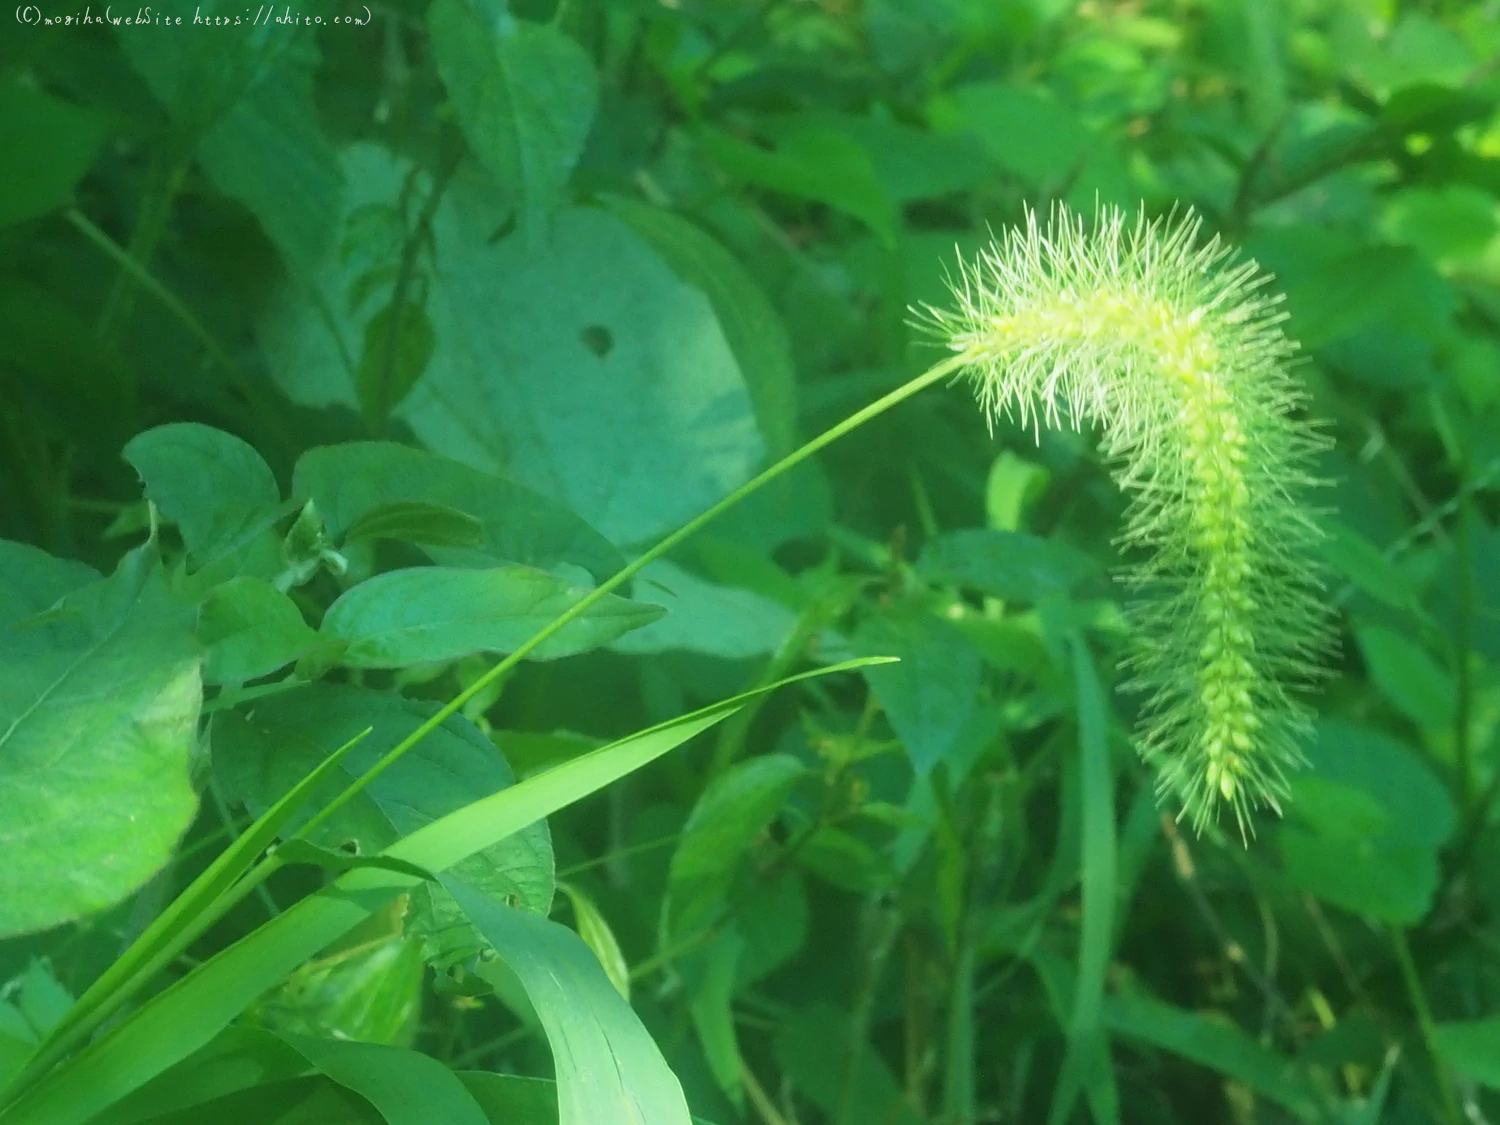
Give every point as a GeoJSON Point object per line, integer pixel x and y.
{"type": "Point", "coordinates": [184, 918]}
{"type": "Point", "coordinates": [432, 613]}
{"type": "Point", "coordinates": [814, 162]}
{"type": "Point", "coordinates": [719, 837]}
{"type": "Point", "coordinates": [846, 861]}
{"type": "Point", "coordinates": [98, 715]}
{"type": "Point", "coordinates": [813, 1048]}
{"type": "Point", "coordinates": [705, 617]}
{"type": "Point", "coordinates": [212, 485]}
{"type": "Point", "coordinates": [1376, 818]}
{"type": "Point", "coordinates": [585, 369]}
{"type": "Point", "coordinates": [929, 695]}
{"type": "Point", "coordinates": [1336, 286]}
{"type": "Point", "coordinates": [370, 992]}
{"type": "Point", "coordinates": [711, 977]}
{"type": "Point", "coordinates": [509, 1099]}
{"type": "Point", "coordinates": [39, 999]}
{"type": "Point", "coordinates": [358, 485]}
{"type": "Point", "coordinates": [524, 94]}
{"type": "Point", "coordinates": [774, 926]}
{"type": "Point", "coordinates": [1416, 802]}
{"type": "Point", "coordinates": [911, 164]}
{"type": "Point", "coordinates": [1363, 563]}
{"type": "Point", "coordinates": [31, 581]}
{"type": "Point", "coordinates": [1455, 222]}
{"type": "Point", "coordinates": [1472, 1048]}
{"type": "Point", "coordinates": [188, 1014]}
{"type": "Point", "coordinates": [1214, 1042]}
{"type": "Point", "coordinates": [1011, 487]}
{"type": "Point", "coordinates": [609, 1071]}
{"type": "Point", "coordinates": [1023, 128]}
{"type": "Point", "coordinates": [262, 750]}
{"type": "Point", "coordinates": [407, 1087]}
{"type": "Point", "coordinates": [1407, 676]}
{"type": "Point", "coordinates": [398, 345]}
{"type": "Point", "coordinates": [749, 321]}
{"type": "Point", "coordinates": [1393, 882]}
{"type": "Point", "coordinates": [415, 521]}
{"type": "Point", "coordinates": [250, 629]}
{"type": "Point", "coordinates": [596, 933]}
{"type": "Point", "coordinates": [48, 146]}
{"type": "Point", "coordinates": [1004, 564]}
{"type": "Point", "coordinates": [245, 99]}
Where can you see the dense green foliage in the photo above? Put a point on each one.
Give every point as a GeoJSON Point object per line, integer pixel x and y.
{"type": "Point", "coordinates": [346, 776]}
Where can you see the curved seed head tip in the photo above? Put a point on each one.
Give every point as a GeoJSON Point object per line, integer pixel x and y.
{"type": "Point", "coordinates": [1174, 351]}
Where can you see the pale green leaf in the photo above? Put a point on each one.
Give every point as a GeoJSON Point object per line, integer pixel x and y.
{"type": "Point", "coordinates": [930, 694]}
{"type": "Point", "coordinates": [1472, 1048]}
{"type": "Point", "coordinates": [250, 629]}
{"type": "Point", "coordinates": [719, 837]}
{"type": "Point", "coordinates": [750, 322]}
{"type": "Point", "coordinates": [370, 992]}
{"type": "Point", "coordinates": [397, 347]}
{"type": "Point", "coordinates": [1004, 564]}
{"type": "Point", "coordinates": [98, 715]}
{"type": "Point", "coordinates": [705, 617]}
{"type": "Point", "coordinates": [427, 614]}
{"type": "Point", "coordinates": [524, 94]}
{"type": "Point", "coordinates": [407, 1087]}
{"type": "Point", "coordinates": [262, 751]}
{"type": "Point", "coordinates": [597, 934]}
{"type": "Point", "coordinates": [815, 162]}
{"type": "Point", "coordinates": [187, 1015]}
{"type": "Point", "coordinates": [211, 484]}
{"type": "Point", "coordinates": [584, 369]}
{"type": "Point", "coordinates": [31, 581]}
{"type": "Point", "coordinates": [1409, 677]}
{"type": "Point", "coordinates": [245, 99]}
{"type": "Point", "coordinates": [610, 1072]}
{"type": "Point", "coordinates": [47, 146]}
{"type": "Point", "coordinates": [417, 521]}
{"type": "Point", "coordinates": [358, 484]}
{"type": "Point", "coordinates": [1023, 128]}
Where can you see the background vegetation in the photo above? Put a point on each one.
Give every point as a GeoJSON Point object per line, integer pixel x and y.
{"type": "Point", "coordinates": [602, 261]}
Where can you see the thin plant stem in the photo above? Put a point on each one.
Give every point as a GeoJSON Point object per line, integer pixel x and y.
{"type": "Point", "coordinates": [142, 277]}
{"type": "Point", "coordinates": [1423, 1010]}
{"type": "Point", "coordinates": [1462, 641]}
{"type": "Point", "coordinates": [936, 374]}
{"type": "Point", "coordinates": [138, 273]}
{"type": "Point", "coordinates": [227, 819]}
{"type": "Point", "coordinates": [618, 853]}
{"type": "Point", "coordinates": [760, 1099]}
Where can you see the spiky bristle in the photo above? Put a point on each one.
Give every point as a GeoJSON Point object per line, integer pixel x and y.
{"type": "Point", "coordinates": [1176, 352]}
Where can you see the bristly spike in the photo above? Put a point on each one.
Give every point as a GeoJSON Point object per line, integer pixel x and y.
{"type": "Point", "coordinates": [1175, 351]}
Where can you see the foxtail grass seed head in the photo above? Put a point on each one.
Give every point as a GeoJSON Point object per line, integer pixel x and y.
{"type": "Point", "coordinates": [1175, 352]}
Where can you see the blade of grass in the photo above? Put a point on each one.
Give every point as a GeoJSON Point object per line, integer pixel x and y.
{"type": "Point", "coordinates": [1087, 1066]}
{"type": "Point", "coordinates": [935, 374]}
{"type": "Point", "coordinates": [185, 1016]}
{"type": "Point", "coordinates": [188, 915]}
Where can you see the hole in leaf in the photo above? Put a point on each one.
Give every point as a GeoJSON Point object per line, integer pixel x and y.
{"type": "Point", "coordinates": [598, 339]}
